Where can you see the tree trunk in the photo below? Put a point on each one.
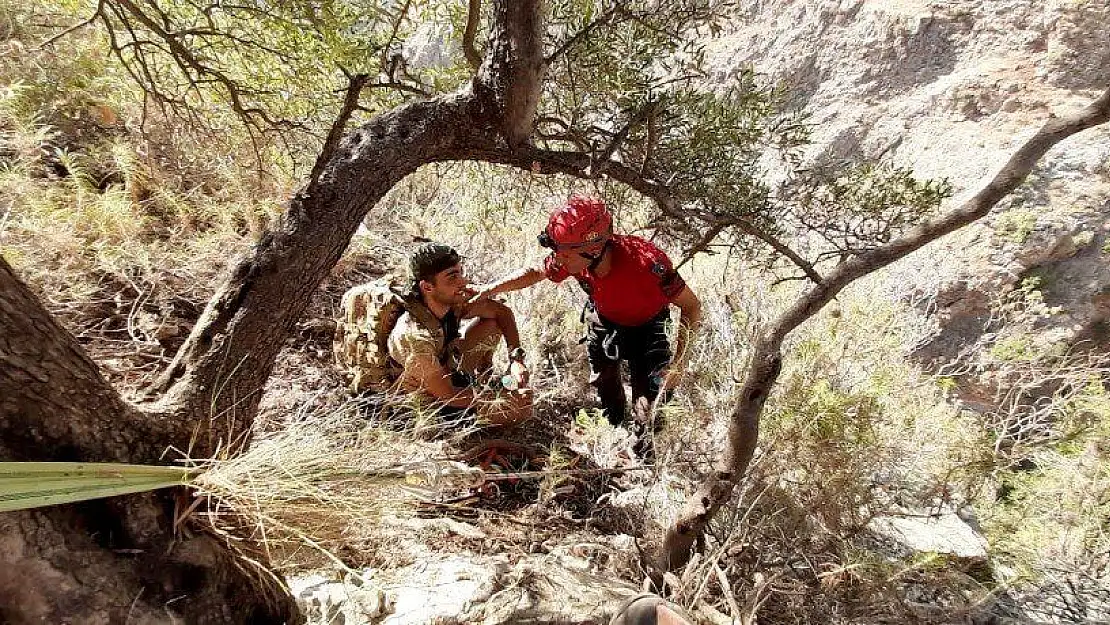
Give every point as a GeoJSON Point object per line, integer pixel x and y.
{"type": "Point", "coordinates": [114, 560]}
{"type": "Point", "coordinates": [216, 379]}
{"type": "Point", "coordinates": [507, 85]}
{"type": "Point", "coordinates": [54, 404]}
{"type": "Point", "coordinates": [717, 488]}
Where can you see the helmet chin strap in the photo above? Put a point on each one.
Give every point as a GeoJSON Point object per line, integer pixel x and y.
{"type": "Point", "coordinates": [595, 259]}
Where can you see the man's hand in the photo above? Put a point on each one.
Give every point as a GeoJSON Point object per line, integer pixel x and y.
{"type": "Point", "coordinates": [519, 371]}
{"type": "Point", "coordinates": [480, 293]}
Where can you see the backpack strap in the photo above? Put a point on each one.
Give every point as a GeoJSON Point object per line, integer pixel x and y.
{"type": "Point", "coordinates": [427, 320]}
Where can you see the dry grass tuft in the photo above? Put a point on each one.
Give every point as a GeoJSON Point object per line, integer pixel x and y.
{"type": "Point", "coordinates": [319, 488]}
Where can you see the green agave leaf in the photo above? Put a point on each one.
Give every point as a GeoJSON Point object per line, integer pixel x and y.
{"type": "Point", "coordinates": [26, 485]}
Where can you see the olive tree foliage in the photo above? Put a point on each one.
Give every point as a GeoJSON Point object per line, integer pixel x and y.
{"type": "Point", "coordinates": [280, 67]}
{"type": "Point", "coordinates": [627, 95]}
{"type": "Point", "coordinates": [616, 89]}
{"type": "Point", "coordinates": [721, 159]}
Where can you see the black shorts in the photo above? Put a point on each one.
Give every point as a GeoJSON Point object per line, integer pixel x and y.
{"type": "Point", "coordinates": [459, 416]}
{"type": "Point", "coordinates": [645, 347]}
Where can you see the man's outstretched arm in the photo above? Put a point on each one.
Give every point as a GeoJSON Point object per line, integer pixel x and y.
{"type": "Point", "coordinates": [522, 279]}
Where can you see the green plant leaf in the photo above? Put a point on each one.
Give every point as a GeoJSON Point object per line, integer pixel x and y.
{"type": "Point", "coordinates": [25, 485]}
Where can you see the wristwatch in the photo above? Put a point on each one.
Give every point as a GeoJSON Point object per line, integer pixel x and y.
{"type": "Point", "coordinates": [517, 355]}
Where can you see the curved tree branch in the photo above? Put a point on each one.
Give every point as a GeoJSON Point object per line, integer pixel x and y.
{"type": "Point", "coordinates": [577, 164]}
{"type": "Point", "coordinates": [766, 363]}
{"type": "Point", "coordinates": [807, 268]}
{"type": "Point", "coordinates": [582, 165]}
{"type": "Point", "coordinates": [215, 379]}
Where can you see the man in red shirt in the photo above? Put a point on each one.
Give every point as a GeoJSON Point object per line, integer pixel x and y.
{"type": "Point", "coordinates": [631, 285]}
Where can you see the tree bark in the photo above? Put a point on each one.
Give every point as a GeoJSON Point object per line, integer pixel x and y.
{"type": "Point", "coordinates": [54, 403]}
{"type": "Point", "coordinates": [115, 560]}
{"type": "Point", "coordinates": [508, 83]}
{"type": "Point", "coordinates": [766, 361]}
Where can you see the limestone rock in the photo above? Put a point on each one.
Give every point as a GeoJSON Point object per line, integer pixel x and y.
{"type": "Point", "coordinates": [924, 532]}
{"type": "Point", "coordinates": [463, 589]}
{"type": "Point", "coordinates": [950, 88]}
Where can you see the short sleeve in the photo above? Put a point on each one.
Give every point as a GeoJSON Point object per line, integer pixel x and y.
{"type": "Point", "coordinates": [553, 270]}
{"type": "Point", "coordinates": [408, 340]}
{"type": "Point", "coordinates": [670, 283]}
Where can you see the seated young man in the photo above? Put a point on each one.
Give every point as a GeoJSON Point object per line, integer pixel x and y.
{"type": "Point", "coordinates": [444, 345]}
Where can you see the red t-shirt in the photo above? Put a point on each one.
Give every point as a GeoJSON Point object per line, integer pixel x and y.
{"type": "Point", "coordinates": [640, 283]}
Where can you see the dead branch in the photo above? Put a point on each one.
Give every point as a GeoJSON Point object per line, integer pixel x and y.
{"type": "Point", "coordinates": [78, 26]}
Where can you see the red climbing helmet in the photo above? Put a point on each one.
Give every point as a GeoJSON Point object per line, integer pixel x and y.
{"type": "Point", "coordinates": [581, 221]}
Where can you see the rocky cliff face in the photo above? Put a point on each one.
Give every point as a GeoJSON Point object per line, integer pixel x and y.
{"type": "Point", "coordinates": [951, 88]}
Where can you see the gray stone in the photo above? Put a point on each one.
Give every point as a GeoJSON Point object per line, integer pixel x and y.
{"type": "Point", "coordinates": [943, 533]}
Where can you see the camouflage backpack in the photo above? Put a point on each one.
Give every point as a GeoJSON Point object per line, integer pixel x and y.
{"type": "Point", "coordinates": [369, 313]}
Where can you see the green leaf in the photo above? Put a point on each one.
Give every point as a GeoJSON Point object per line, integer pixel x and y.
{"type": "Point", "coordinates": [25, 485]}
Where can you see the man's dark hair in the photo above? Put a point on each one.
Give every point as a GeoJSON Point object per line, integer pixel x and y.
{"type": "Point", "coordinates": [429, 259]}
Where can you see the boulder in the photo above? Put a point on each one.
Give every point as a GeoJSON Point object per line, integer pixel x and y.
{"type": "Point", "coordinates": [942, 532]}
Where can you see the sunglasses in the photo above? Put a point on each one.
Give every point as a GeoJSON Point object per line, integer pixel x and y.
{"type": "Point", "coordinates": [545, 240]}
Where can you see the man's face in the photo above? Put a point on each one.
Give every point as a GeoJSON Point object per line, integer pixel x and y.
{"type": "Point", "coordinates": [448, 287]}
{"type": "Point", "coordinates": [571, 256]}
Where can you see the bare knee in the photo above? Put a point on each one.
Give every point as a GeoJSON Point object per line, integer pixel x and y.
{"type": "Point", "coordinates": [477, 343]}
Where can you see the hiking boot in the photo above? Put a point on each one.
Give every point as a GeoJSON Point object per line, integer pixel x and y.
{"type": "Point", "coordinates": [644, 447]}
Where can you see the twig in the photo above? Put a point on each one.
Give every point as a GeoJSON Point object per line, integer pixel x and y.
{"type": "Point", "coordinates": [509, 476]}
{"type": "Point", "coordinates": [127, 620]}
{"type": "Point", "coordinates": [749, 228]}
{"type": "Point", "coordinates": [385, 60]}
{"type": "Point", "coordinates": [642, 115]}
{"type": "Point", "coordinates": [6, 217]}
{"type": "Point", "coordinates": [566, 45]}
{"type": "Point", "coordinates": [350, 103]}
{"type": "Point", "coordinates": [726, 588]}
{"type": "Point", "coordinates": [77, 26]}
{"type": "Point", "coordinates": [701, 245]}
